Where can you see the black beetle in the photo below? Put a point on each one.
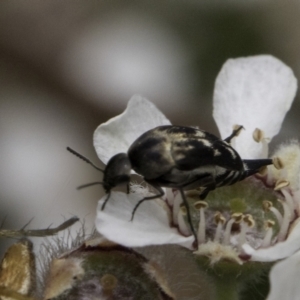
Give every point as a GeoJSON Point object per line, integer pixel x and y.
{"type": "Point", "coordinates": [178, 157]}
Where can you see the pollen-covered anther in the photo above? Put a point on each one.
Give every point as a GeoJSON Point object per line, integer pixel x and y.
{"type": "Point", "coordinates": [278, 163]}
{"type": "Point", "coordinates": [183, 228]}
{"type": "Point", "coordinates": [280, 184]}
{"type": "Point", "coordinates": [248, 219]}
{"type": "Point", "coordinates": [269, 224]}
{"type": "Point", "coordinates": [201, 206]}
{"type": "Point", "coordinates": [236, 218]}
{"type": "Point", "coordinates": [258, 135]}
{"type": "Point", "coordinates": [219, 218]}
{"type": "Point", "coordinates": [268, 206]}
{"type": "Point", "coordinates": [220, 221]}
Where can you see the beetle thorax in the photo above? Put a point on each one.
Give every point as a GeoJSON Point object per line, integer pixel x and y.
{"type": "Point", "coordinates": [117, 171]}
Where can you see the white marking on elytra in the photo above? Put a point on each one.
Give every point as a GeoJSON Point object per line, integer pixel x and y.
{"type": "Point", "coordinates": [217, 152]}
{"type": "Point", "coordinates": [200, 134]}
{"type": "Point", "coordinates": [205, 142]}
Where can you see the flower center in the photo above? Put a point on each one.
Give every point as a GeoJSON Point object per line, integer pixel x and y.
{"type": "Point", "coordinates": [254, 211]}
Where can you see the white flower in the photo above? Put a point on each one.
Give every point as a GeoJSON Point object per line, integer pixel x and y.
{"type": "Point", "coordinates": [151, 222]}
{"type": "Point", "coordinates": [255, 92]}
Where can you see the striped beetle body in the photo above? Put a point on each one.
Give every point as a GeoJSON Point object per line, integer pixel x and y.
{"type": "Point", "coordinates": [179, 157]}
{"type": "Point", "coordinates": [188, 158]}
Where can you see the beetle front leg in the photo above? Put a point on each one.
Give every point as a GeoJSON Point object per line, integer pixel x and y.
{"type": "Point", "coordinates": [235, 132]}
{"type": "Point", "coordinates": [161, 193]}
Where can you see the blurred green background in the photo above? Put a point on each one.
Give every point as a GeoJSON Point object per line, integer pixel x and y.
{"type": "Point", "coordinates": [67, 66]}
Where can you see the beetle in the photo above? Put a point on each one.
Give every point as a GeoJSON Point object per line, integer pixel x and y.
{"type": "Point", "coordinates": [178, 157]}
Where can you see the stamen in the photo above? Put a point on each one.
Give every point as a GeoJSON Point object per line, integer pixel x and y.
{"type": "Point", "coordinates": [183, 228]}
{"type": "Point", "coordinates": [268, 237]}
{"type": "Point", "coordinates": [176, 207]}
{"type": "Point", "coordinates": [281, 183]}
{"type": "Point", "coordinates": [259, 137]}
{"type": "Point", "coordinates": [220, 220]}
{"type": "Point", "coordinates": [248, 219]}
{"type": "Point", "coordinates": [285, 222]}
{"type": "Point", "coordinates": [201, 206]}
{"type": "Point", "coordinates": [235, 218]}
{"type": "Point", "coordinates": [247, 222]}
{"type": "Point", "coordinates": [268, 206]}
{"type": "Point", "coordinates": [263, 171]}
{"type": "Point", "coordinates": [278, 163]}
{"type": "Point", "coordinates": [296, 196]}
{"type": "Point", "coordinates": [290, 202]}
{"type": "Point", "coordinates": [170, 196]}
{"type": "Point", "coordinates": [270, 178]}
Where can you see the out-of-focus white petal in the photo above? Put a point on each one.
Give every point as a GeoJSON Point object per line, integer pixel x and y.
{"type": "Point", "coordinates": [279, 250]}
{"type": "Point", "coordinates": [284, 278]}
{"type": "Point", "coordinates": [255, 92]}
{"type": "Point", "coordinates": [150, 225]}
{"type": "Point", "coordinates": [117, 134]}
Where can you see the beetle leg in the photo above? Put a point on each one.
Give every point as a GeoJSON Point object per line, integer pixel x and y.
{"type": "Point", "coordinates": [161, 193]}
{"type": "Point", "coordinates": [256, 164]}
{"type": "Point", "coordinates": [234, 133]}
{"type": "Point", "coordinates": [205, 192]}
{"type": "Point", "coordinates": [84, 158]}
{"type": "Point", "coordinates": [88, 184]}
{"type": "Point", "coordinates": [105, 201]}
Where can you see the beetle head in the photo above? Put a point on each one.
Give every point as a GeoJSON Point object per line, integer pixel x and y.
{"type": "Point", "coordinates": [117, 171]}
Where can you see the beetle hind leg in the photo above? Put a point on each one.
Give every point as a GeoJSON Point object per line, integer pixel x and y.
{"type": "Point", "coordinates": [205, 192]}
{"type": "Point", "coordinates": [256, 164]}
{"type": "Point", "coordinates": [235, 132]}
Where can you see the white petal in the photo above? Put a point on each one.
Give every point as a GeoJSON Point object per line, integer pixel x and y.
{"type": "Point", "coordinates": [255, 92]}
{"type": "Point", "coordinates": [150, 225]}
{"type": "Point", "coordinates": [117, 134]}
{"type": "Point", "coordinates": [279, 250]}
{"type": "Point", "coordinates": [284, 278]}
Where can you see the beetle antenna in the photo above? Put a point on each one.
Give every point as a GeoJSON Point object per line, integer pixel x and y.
{"type": "Point", "coordinates": [84, 158]}
{"type": "Point", "coordinates": [105, 201]}
{"type": "Point", "coordinates": [89, 184]}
